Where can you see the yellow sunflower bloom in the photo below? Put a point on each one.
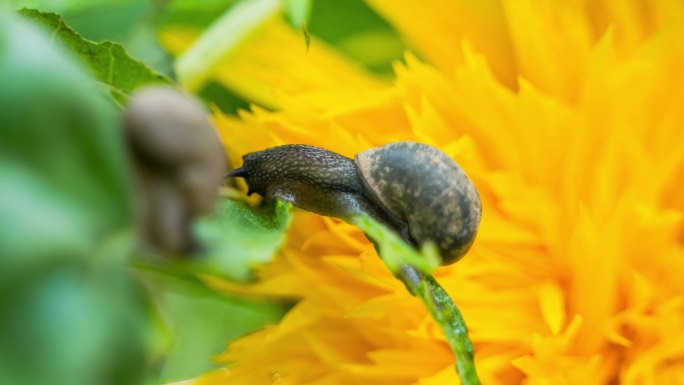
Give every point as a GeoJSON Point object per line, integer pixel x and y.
{"type": "Point", "coordinates": [567, 116]}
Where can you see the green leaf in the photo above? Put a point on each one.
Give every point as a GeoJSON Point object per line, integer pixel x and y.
{"type": "Point", "coordinates": [62, 159]}
{"type": "Point", "coordinates": [394, 251]}
{"type": "Point", "coordinates": [202, 322]}
{"type": "Point", "coordinates": [298, 12]}
{"type": "Point", "coordinates": [358, 32]}
{"type": "Point", "coordinates": [214, 93]}
{"type": "Point", "coordinates": [109, 62]}
{"type": "Point", "coordinates": [72, 326]}
{"type": "Point", "coordinates": [129, 22]}
{"type": "Point", "coordinates": [63, 6]}
{"type": "Point", "coordinates": [236, 237]}
{"type": "Point", "coordinates": [194, 13]}
{"type": "Point", "coordinates": [70, 312]}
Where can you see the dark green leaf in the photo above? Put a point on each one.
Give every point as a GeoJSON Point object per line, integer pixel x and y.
{"type": "Point", "coordinates": [108, 62]}
{"type": "Point", "coordinates": [194, 13]}
{"type": "Point", "coordinates": [129, 22]}
{"type": "Point", "coordinates": [228, 102]}
{"type": "Point", "coordinates": [356, 30]}
{"type": "Point", "coordinates": [236, 237]}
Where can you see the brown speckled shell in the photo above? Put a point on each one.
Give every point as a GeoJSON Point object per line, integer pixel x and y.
{"type": "Point", "coordinates": [424, 187]}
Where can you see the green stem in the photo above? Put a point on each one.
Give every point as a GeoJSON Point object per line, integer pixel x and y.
{"type": "Point", "coordinates": [446, 314]}
{"type": "Point", "coordinates": [412, 267]}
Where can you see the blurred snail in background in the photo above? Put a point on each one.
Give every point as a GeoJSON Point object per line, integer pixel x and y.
{"type": "Point", "coordinates": [179, 161]}
{"type": "Point", "coordinates": [414, 189]}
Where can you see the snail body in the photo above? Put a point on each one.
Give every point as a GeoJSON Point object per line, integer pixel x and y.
{"type": "Point", "coordinates": [414, 189]}
{"type": "Point", "coordinates": [286, 172]}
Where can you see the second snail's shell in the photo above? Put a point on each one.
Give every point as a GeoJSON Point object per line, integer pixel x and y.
{"type": "Point", "coordinates": [425, 188]}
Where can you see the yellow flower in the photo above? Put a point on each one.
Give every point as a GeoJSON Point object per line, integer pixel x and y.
{"type": "Point", "coordinates": [568, 117]}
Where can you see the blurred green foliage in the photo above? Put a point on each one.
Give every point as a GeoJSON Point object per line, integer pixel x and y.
{"type": "Point", "coordinates": [350, 25]}
{"type": "Point", "coordinates": [69, 311]}
{"type": "Point", "coordinates": [201, 322]}
{"type": "Point", "coordinates": [298, 12]}
{"type": "Point", "coordinates": [239, 230]}
{"type": "Point", "coordinates": [128, 22]}
{"type": "Point", "coordinates": [108, 62]}
{"type": "Point", "coordinates": [353, 28]}
{"type": "Point", "coordinates": [61, 147]}
{"type": "Point", "coordinates": [77, 305]}
{"type": "Point", "coordinates": [227, 101]}
{"type": "Point", "coordinates": [193, 13]}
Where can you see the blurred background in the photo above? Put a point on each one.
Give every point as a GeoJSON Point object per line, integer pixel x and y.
{"type": "Point", "coordinates": [351, 26]}
{"type": "Point", "coordinates": [81, 301]}
{"type": "Point", "coordinates": [116, 237]}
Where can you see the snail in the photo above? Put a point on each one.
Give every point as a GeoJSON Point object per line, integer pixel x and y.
{"type": "Point", "coordinates": [414, 189]}
{"type": "Point", "coordinates": [179, 165]}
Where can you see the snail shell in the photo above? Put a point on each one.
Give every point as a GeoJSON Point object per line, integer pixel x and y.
{"type": "Point", "coordinates": [179, 165]}
{"type": "Point", "coordinates": [425, 188]}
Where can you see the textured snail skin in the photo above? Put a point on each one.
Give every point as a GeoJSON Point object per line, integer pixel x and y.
{"type": "Point", "coordinates": [310, 178]}
{"type": "Point", "coordinates": [415, 189]}
{"type": "Point", "coordinates": [425, 188]}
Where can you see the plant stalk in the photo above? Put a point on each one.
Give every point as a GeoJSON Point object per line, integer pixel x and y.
{"type": "Point", "coordinates": [446, 314]}
{"type": "Point", "coordinates": [412, 267]}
